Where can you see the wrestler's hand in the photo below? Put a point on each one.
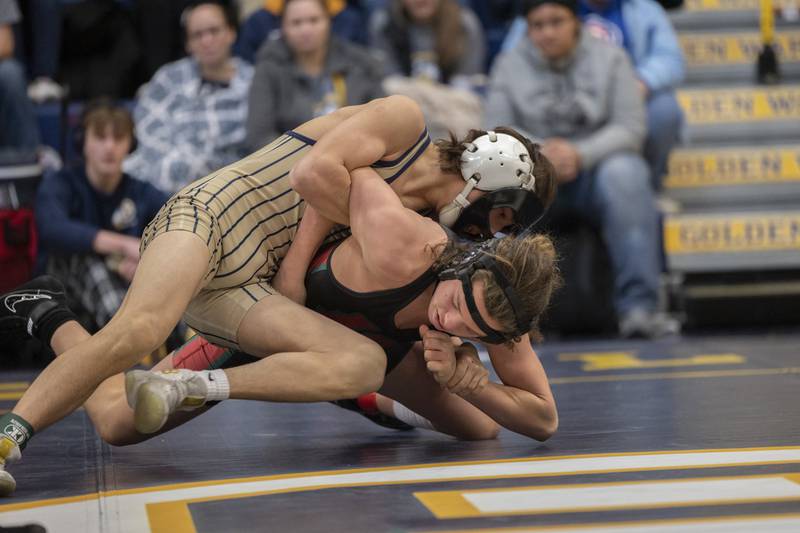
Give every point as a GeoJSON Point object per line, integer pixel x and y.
{"type": "Point", "coordinates": [470, 375]}
{"type": "Point", "coordinates": [294, 289]}
{"type": "Point", "coordinates": [439, 352]}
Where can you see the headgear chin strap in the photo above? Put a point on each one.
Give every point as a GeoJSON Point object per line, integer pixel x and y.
{"type": "Point", "coordinates": [481, 258]}
{"type": "Point", "coordinates": [491, 162]}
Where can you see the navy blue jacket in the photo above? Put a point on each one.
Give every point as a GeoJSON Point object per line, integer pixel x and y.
{"type": "Point", "coordinates": [69, 211]}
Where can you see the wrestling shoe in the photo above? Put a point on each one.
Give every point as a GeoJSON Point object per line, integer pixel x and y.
{"type": "Point", "coordinates": [366, 406]}
{"type": "Point", "coordinates": [29, 310]}
{"type": "Point", "coordinates": [156, 395]}
{"type": "Point", "coordinates": [9, 451]}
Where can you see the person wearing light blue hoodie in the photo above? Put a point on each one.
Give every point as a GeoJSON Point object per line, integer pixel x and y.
{"type": "Point", "coordinates": [579, 96]}
{"type": "Point", "coordinates": [644, 30]}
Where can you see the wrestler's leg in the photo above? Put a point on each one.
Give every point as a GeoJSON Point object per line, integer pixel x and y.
{"type": "Point", "coordinates": [310, 357]}
{"type": "Point", "coordinates": [305, 357]}
{"type": "Point", "coordinates": [169, 274]}
{"type": "Point", "coordinates": [411, 384]}
{"type": "Point", "coordinates": [113, 418]}
{"type": "Point", "coordinates": [108, 407]}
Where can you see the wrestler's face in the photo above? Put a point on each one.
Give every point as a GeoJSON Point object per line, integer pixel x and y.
{"type": "Point", "coordinates": [553, 29]}
{"type": "Point", "coordinates": [500, 218]}
{"type": "Point", "coordinates": [208, 37]}
{"type": "Point", "coordinates": [104, 151]}
{"type": "Point", "coordinates": [305, 26]}
{"type": "Point", "coordinates": [448, 311]}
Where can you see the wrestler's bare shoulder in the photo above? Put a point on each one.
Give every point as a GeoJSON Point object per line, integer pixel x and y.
{"type": "Point", "coordinates": [393, 112]}
{"type": "Point", "coordinates": [317, 127]}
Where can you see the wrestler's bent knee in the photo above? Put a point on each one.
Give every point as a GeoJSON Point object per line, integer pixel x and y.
{"type": "Point", "coordinates": [117, 434]}
{"type": "Point", "coordinates": [361, 370]}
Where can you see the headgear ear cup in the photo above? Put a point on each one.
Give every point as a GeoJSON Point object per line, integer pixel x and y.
{"type": "Point", "coordinates": [490, 162]}
{"type": "Point", "coordinates": [500, 160]}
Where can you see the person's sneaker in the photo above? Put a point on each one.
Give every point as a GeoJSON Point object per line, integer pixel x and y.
{"type": "Point", "coordinates": [641, 323]}
{"type": "Point", "coordinates": [361, 405]}
{"type": "Point", "coordinates": [9, 452]}
{"type": "Point", "coordinates": [154, 396]}
{"type": "Point", "coordinates": [43, 89]}
{"type": "Point", "coordinates": [24, 309]}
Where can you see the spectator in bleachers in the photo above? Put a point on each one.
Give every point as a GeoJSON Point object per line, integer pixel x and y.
{"type": "Point", "coordinates": [644, 30]}
{"type": "Point", "coordinates": [438, 40]}
{"type": "Point", "coordinates": [434, 52]}
{"type": "Point", "coordinates": [347, 22]}
{"type": "Point", "coordinates": [161, 31]}
{"type": "Point", "coordinates": [19, 137]}
{"type": "Point", "coordinates": [90, 217]}
{"type": "Point", "coordinates": [307, 72]}
{"type": "Point", "coordinates": [190, 118]}
{"type": "Point", "coordinates": [580, 96]}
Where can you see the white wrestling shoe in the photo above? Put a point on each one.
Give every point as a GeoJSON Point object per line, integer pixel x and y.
{"type": "Point", "coordinates": [156, 395]}
{"type": "Point", "coordinates": [9, 452]}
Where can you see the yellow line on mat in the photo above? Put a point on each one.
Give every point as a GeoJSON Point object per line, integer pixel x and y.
{"type": "Point", "coordinates": [677, 375]}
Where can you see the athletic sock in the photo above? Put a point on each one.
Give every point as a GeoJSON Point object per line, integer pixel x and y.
{"type": "Point", "coordinates": [368, 403]}
{"type": "Point", "coordinates": [217, 386]}
{"type": "Point", "coordinates": [401, 412]}
{"type": "Point", "coordinates": [16, 429]}
{"type": "Point", "coordinates": [51, 321]}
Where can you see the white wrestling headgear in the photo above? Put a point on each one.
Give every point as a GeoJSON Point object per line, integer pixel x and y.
{"type": "Point", "coordinates": [492, 161]}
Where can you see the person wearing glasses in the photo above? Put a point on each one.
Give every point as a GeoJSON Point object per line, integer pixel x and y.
{"type": "Point", "coordinates": [190, 118]}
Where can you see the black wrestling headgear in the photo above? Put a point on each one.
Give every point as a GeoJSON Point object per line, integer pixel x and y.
{"type": "Point", "coordinates": [481, 257]}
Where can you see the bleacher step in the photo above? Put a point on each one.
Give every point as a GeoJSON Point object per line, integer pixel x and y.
{"type": "Point", "coordinates": [713, 176]}
{"type": "Point", "coordinates": [732, 241]}
{"type": "Point", "coordinates": [729, 14]}
{"type": "Point", "coordinates": [713, 56]}
{"type": "Point", "coordinates": [726, 114]}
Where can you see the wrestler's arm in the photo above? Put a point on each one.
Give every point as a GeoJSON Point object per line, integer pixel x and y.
{"type": "Point", "coordinates": [290, 278]}
{"type": "Point", "coordinates": [394, 242]}
{"type": "Point", "coordinates": [523, 402]}
{"type": "Point", "coordinates": [382, 128]}
{"type": "Point", "coordinates": [349, 138]}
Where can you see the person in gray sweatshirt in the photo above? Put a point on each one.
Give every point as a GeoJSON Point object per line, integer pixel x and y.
{"type": "Point", "coordinates": [305, 73]}
{"type": "Point", "coordinates": [579, 96]}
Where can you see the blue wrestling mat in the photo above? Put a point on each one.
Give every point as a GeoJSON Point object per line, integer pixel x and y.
{"type": "Point", "coordinates": [686, 435]}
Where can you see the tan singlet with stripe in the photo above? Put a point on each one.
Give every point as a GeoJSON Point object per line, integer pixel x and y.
{"type": "Point", "coordinates": [247, 214]}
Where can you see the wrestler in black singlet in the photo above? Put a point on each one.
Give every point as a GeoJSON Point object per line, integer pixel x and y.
{"type": "Point", "coordinates": [370, 313]}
